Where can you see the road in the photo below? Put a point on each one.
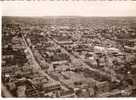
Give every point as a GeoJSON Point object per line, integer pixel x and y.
{"type": "Point", "coordinates": [112, 77]}
{"type": "Point", "coordinates": [36, 66]}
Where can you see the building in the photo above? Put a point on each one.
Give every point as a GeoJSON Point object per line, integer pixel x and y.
{"type": "Point", "coordinates": [51, 86]}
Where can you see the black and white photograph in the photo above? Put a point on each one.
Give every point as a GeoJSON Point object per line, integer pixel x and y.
{"type": "Point", "coordinates": [68, 49]}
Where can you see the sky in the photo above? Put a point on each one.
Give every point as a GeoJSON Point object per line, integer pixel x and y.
{"type": "Point", "coordinates": [69, 8]}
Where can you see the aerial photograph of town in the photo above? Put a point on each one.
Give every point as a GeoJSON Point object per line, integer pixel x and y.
{"type": "Point", "coordinates": [68, 57]}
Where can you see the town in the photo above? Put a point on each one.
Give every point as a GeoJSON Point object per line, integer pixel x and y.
{"type": "Point", "coordinates": [66, 57]}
